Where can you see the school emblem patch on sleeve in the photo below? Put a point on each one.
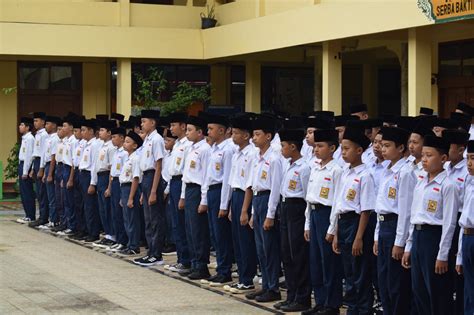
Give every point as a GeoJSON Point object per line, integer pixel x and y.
{"type": "Point", "coordinates": [432, 205]}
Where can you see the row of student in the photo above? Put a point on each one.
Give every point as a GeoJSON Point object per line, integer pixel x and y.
{"type": "Point", "coordinates": [263, 202]}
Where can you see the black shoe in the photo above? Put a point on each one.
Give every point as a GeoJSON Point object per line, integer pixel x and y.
{"type": "Point", "coordinates": [129, 252]}
{"type": "Point", "coordinates": [328, 311]}
{"type": "Point", "coordinates": [280, 304]}
{"type": "Point", "coordinates": [79, 236]}
{"type": "Point", "coordinates": [60, 227]}
{"type": "Point", "coordinates": [220, 280]}
{"type": "Point", "coordinates": [169, 250]}
{"type": "Point", "coordinates": [269, 296]}
{"type": "Point", "coordinates": [295, 307]}
{"type": "Point", "coordinates": [199, 274]}
{"type": "Point", "coordinates": [185, 272]}
{"type": "Point", "coordinates": [91, 239]}
{"type": "Point", "coordinates": [317, 308]}
{"type": "Point", "coordinates": [37, 223]}
{"type": "Point", "coordinates": [253, 295]}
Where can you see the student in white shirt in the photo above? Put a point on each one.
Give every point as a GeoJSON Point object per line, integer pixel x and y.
{"type": "Point", "coordinates": [294, 248]}
{"type": "Point", "coordinates": [194, 198]}
{"type": "Point", "coordinates": [175, 171]}
{"type": "Point", "coordinates": [465, 257]}
{"type": "Point", "coordinates": [265, 182]}
{"type": "Point", "coordinates": [355, 200]}
{"type": "Point", "coordinates": [152, 187]}
{"type": "Point", "coordinates": [113, 190]}
{"type": "Point", "coordinates": [48, 163]}
{"type": "Point", "coordinates": [129, 178]}
{"type": "Point", "coordinates": [170, 246]}
{"type": "Point", "coordinates": [325, 265]}
{"type": "Point", "coordinates": [37, 171]}
{"type": "Point", "coordinates": [100, 178]}
{"type": "Point", "coordinates": [433, 220]}
{"type": "Point", "coordinates": [394, 197]}
{"type": "Point", "coordinates": [415, 146]}
{"type": "Point", "coordinates": [25, 157]}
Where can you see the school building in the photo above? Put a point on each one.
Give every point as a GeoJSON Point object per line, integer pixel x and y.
{"type": "Point", "coordinates": [285, 55]}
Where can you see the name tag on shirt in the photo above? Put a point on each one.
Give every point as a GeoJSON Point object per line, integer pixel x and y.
{"type": "Point", "coordinates": [392, 193]}
{"type": "Point", "coordinates": [292, 185]}
{"type": "Point", "coordinates": [147, 154]}
{"type": "Point", "coordinates": [351, 194]}
{"type": "Point", "coordinates": [242, 173]}
{"type": "Point", "coordinates": [118, 167]}
{"type": "Point", "coordinates": [192, 164]}
{"type": "Point", "coordinates": [24, 150]}
{"type": "Point", "coordinates": [432, 205]}
{"type": "Point", "coordinates": [85, 158]}
{"type": "Point", "coordinates": [264, 175]}
{"type": "Point", "coordinates": [61, 151]}
{"type": "Point", "coordinates": [78, 153]}
{"type": "Point", "coordinates": [218, 167]}
{"type": "Point", "coordinates": [324, 193]}
{"type": "Point", "coordinates": [102, 157]}
{"type": "Point", "coordinates": [178, 161]}
{"type": "Point", "coordinates": [37, 143]}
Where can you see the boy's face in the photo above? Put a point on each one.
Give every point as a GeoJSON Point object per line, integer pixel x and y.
{"type": "Point", "coordinates": [456, 152]}
{"type": "Point", "coordinates": [129, 145]}
{"type": "Point", "coordinates": [87, 133]}
{"type": "Point", "coordinates": [22, 128]}
{"type": "Point", "coordinates": [77, 133]}
{"type": "Point", "coordinates": [148, 124]}
{"type": "Point", "coordinates": [390, 151]}
{"type": "Point", "coordinates": [323, 150]}
{"type": "Point", "coordinates": [240, 137]}
{"type": "Point", "coordinates": [375, 130]}
{"type": "Point", "coordinates": [350, 151]}
{"type": "Point", "coordinates": [142, 134]}
{"type": "Point", "coordinates": [470, 163]}
{"type": "Point", "coordinates": [50, 127]}
{"type": "Point", "coordinates": [377, 146]}
{"type": "Point", "coordinates": [60, 132]}
{"type": "Point", "coordinates": [361, 115]}
{"type": "Point", "coordinates": [192, 133]}
{"type": "Point", "coordinates": [177, 129]}
{"type": "Point", "coordinates": [215, 131]}
{"type": "Point", "coordinates": [287, 149]}
{"type": "Point", "coordinates": [261, 138]}
{"type": "Point", "coordinates": [67, 129]}
{"type": "Point", "coordinates": [38, 123]}
{"type": "Point", "coordinates": [169, 143]}
{"type": "Point", "coordinates": [117, 140]}
{"type": "Point", "coordinates": [368, 134]}
{"type": "Point", "coordinates": [341, 130]}
{"type": "Point", "coordinates": [415, 145]}
{"type": "Point", "coordinates": [310, 136]}
{"type": "Point", "coordinates": [432, 160]}
{"type": "Point", "coordinates": [104, 134]}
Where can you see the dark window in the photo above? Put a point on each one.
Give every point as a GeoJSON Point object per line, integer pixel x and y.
{"type": "Point", "coordinates": [237, 87]}
{"type": "Point", "coordinates": [456, 59]}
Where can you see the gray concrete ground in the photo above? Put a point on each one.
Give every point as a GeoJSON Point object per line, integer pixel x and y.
{"type": "Point", "coordinates": [41, 273]}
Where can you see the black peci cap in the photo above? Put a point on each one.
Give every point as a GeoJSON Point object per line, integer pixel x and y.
{"type": "Point", "coordinates": [217, 119]}
{"type": "Point", "coordinates": [265, 124]}
{"type": "Point", "coordinates": [118, 131]}
{"type": "Point", "coordinates": [26, 120]}
{"type": "Point", "coordinates": [54, 119]}
{"type": "Point", "coordinates": [436, 142]}
{"type": "Point", "coordinates": [40, 115]}
{"type": "Point", "coordinates": [395, 134]}
{"type": "Point", "coordinates": [135, 137]}
{"type": "Point", "coordinates": [197, 122]}
{"type": "Point", "coordinates": [456, 136]}
{"type": "Point", "coordinates": [358, 108]}
{"type": "Point", "coordinates": [293, 135]}
{"type": "Point", "coordinates": [150, 114]}
{"type": "Point", "coordinates": [241, 123]}
{"type": "Point", "coordinates": [326, 135]}
{"type": "Point", "coordinates": [342, 120]}
{"type": "Point", "coordinates": [89, 123]}
{"type": "Point", "coordinates": [426, 111]}
{"type": "Point", "coordinates": [357, 135]}
{"type": "Point", "coordinates": [470, 146]}
{"type": "Point", "coordinates": [179, 117]}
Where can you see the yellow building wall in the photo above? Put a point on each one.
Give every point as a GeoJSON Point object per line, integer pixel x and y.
{"type": "Point", "coordinates": [94, 93]}
{"type": "Point", "coordinates": [8, 110]}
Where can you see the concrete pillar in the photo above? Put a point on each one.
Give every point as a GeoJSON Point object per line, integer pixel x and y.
{"type": "Point", "coordinates": [332, 77]}
{"type": "Point", "coordinates": [124, 86]}
{"type": "Point", "coordinates": [220, 85]}
{"type": "Point", "coordinates": [124, 12]}
{"type": "Point", "coordinates": [419, 70]}
{"type": "Point", "coordinates": [253, 87]}
{"type": "Point", "coordinates": [318, 105]}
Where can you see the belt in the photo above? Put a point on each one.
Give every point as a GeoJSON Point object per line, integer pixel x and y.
{"type": "Point", "coordinates": [149, 172]}
{"type": "Point", "coordinates": [115, 178]}
{"type": "Point", "coordinates": [261, 193]}
{"type": "Point", "coordinates": [318, 206]}
{"type": "Point", "coordinates": [293, 200]}
{"type": "Point", "coordinates": [468, 231]}
{"type": "Point", "coordinates": [125, 184]}
{"type": "Point", "coordinates": [47, 163]}
{"type": "Point", "coordinates": [60, 163]}
{"type": "Point", "coordinates": [84, 171]}
{"type": "Point", "coordinates": [348, 215]}
{"type": "Point", "coordinates": [103, 173]}
{"type": "Point", "coordinates": [192, 185]}
{"type": "Point", "coordinates": [421, 227]}
{"type": "Point", "coordinates": [237, 189]}
{"type": "Point", "coordinates": [76, 168]}
{"type": "Point", "coordinates": [387, 217]}
{"type": "Point", "coordinates": [177, 177]}
{"type": "Point", "coordinates": [215, 186]}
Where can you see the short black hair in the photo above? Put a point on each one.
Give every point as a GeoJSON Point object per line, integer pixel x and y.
{"type": "Point", "coordinates": [441, 151]}
{"type": "Point", "coordinates": [298, 144]}
{"type": "Point", "coordinates": [334, 143]}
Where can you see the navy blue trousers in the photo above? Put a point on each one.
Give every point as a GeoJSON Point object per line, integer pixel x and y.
{"type": "Point", "coordinates": [58, 177]}
{"type": "Point", "coordinates": [155, 215]}
{"type": "Point", "coordinates": [325, 265]}
{"type": "Point", "coordinates": [244, 240]}
{"type": "Point", "coordinates": [79, 204]}
{"type": "Point", "coordinates": [41, 193]}
{"type": "Point", "coordinates": [356, 268]}
{"type": "Point", "coordinates": [131, 217]}
{"type": "Point", "coordinates": [27, 194]}
{"type": "Point", "coordinates": [51, 193]}
{"type": "Point", "coordinates": [169, 238]}
{"type": "Point", "coordinates": [91, 212]}
{"type": "Point", "coordinates": [468, 269]}
{"type": "Point", "coordinates": [431, 292]}
{"type": "Point", "coordinates": [267, 244]}
{"type": "Point", "coordinates": [178, 223]}
{"type": "Point", "coordinates": [68, 199]}
{"type": "Point", "coordinates": [105, 210]}
{"type": "Point", "coordinates": [394, 280]}
{"type": "Point", "coordinates": [222, 232]}
{"type": "Point", "coordinates": [117, 213]}
{"type": "Point", "coordinates": [197, 228]}
{"type": "Point", "coordinates": [295, 251]}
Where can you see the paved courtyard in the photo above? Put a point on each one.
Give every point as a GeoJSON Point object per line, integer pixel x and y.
{"type": "Point", "coordinates": [41, 273]}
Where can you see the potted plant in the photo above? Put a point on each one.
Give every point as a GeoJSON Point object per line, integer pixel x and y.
{"type": "Point", "coordinates": [208, 20]}
{"type": "Point", "coordinates": [11, 170]}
